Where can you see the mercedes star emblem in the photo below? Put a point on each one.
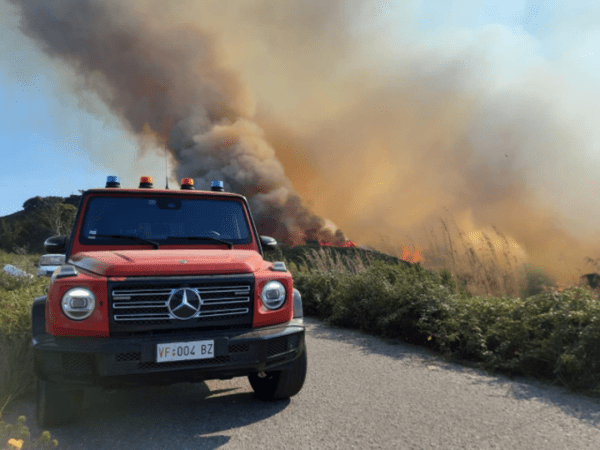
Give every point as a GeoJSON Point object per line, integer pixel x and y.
{"type": "Point", "coordinates": [184, 303]}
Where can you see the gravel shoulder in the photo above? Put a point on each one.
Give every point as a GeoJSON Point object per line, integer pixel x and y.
{"type": "Point", "coordinates": [360, 392]}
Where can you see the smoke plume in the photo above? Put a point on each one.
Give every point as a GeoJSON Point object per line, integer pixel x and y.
{"type": "Point", "coordinates": [170, 82]}
{"type": "Point", "coordinates": [350, 110]}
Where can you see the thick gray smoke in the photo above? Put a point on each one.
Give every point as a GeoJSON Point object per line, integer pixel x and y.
{"type": "Point", "coordinates": [380, 115]}
{"type": "Point", "coordinates": [170, 82]}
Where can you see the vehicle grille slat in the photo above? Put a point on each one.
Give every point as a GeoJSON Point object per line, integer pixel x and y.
{"type": "Point", "coordinates": [222, 312]}
{"type": "Point", "coordinates": [120, 304]}
{"type": "Point", "coordinates": [225, 312]}
{"type": "Point", "coordinates": [142, 317]}
{"type": "Point", "coordinates": [161, 304]}
{"type": "Point", "coordinates": [244, 300]}
{"type": "Point", "coordinates": [123, 294]}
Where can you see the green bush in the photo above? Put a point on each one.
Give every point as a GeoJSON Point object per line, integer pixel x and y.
{"type": "Point", "coordinates": [317, 290]}
{"type": "Point", "coordinates": [16, 353]}
{"type": "Point", "coordinates": [384, 299]}
{"type": "Point", "coordinates": [552, 335]}
{"type": "Point", "coordinates": [19, 436]}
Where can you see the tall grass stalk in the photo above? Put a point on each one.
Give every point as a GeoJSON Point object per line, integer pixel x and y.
{"type": "Point", "coordinates": [16, 366]}
{"type": "Point", "coordinates": [326, 260]}
{"type": "Point", "coordinates": [480, 269]}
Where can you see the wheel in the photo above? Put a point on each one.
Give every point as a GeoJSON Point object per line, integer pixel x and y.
{"type": "Point", "coordinates": [57, 405]}
{"type": "Point", "coordinates": [280, 384]}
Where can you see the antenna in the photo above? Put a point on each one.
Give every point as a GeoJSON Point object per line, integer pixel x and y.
{"type": "Point", "coordinates": [166, 169]}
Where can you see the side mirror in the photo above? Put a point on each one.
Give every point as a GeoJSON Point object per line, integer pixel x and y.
{"type": "Point", "coordinates": [56, 244]}
{"type": "Point", "coordinates": [268, 243]}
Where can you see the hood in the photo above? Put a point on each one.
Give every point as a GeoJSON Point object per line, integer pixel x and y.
{"type": "Point", "coordinates": [168, 262]}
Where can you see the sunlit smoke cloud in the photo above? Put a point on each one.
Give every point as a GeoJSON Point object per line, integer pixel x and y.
{"type": "Point", "coordinates": [170, 82]}
{"type": "Point", "coordinates": [380, 116]}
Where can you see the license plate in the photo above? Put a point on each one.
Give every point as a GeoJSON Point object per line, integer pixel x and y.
{"type": "Point", "coordinates": [183, 351]}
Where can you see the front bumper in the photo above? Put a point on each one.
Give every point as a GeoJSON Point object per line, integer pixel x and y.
{"type": "Point", "coordinates": [113, 362]}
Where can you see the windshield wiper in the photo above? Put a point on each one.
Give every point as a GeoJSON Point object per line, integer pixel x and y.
{"type": "Point", "coordinates": [203, 238]}
{"type": "Point", "coordinates": [126, 236]}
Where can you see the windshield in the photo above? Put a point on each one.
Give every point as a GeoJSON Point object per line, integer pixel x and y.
{"type": "Point", "coordinates": [168, 220]}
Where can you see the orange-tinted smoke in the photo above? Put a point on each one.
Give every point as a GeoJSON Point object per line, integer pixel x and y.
{"type": "Point", "coordinates": [169, 80]}
{"type": "Point", "coordinates": [381, 135]}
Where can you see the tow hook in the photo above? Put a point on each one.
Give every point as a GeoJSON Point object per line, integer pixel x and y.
{"type": "Point", "coordinates": [262, 374]}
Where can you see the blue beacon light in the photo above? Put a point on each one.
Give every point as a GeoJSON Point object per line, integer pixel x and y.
{"type": "Point", "coordinates": [217, 185]}
{"type": "Point", "coordinates": [112, 181]}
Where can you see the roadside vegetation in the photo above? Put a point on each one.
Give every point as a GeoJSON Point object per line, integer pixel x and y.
{"type": "Point", "coordinates": [16, 354]}
{"type": "Point", "coordinates": [553, 336]}
{"type": "Point", "coordinates": [480, 306]}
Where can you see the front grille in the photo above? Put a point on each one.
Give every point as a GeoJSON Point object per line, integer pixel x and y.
{"type": "Point", "coordinates": [191, 363]}
{"type": "Point", "coordinates": [278, 345]}
{"type": "Point", "coordinates": [150, 304]}
{"type": "Point", "coordinates": [127, 357]}
{"type": "Point", "coordinates": [77, 363]}
{"type": "Point", "coordinates": [142, 304]}
{"type": "Point", "coordinates": [239, 348]}
{"type": "Point", "coordinates": [283, 344]}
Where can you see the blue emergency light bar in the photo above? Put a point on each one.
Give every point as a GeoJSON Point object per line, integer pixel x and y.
{"type": "Point", "coordinates": [217, 185]}
{"type": "Point", "coordinates": [112, 181]}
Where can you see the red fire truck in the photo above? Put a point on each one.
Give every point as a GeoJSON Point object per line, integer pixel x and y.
{"type": "Point", "coordinates": [162, 286]}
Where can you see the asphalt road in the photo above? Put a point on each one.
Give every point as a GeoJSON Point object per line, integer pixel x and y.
{"type": "Point", "coordinates": [360, 393]}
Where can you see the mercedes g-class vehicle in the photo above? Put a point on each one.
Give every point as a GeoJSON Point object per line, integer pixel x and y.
{"type": "Point", "coordinates": [161, 286]}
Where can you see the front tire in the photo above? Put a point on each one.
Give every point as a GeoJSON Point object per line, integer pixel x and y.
{"type": "Point", "coordinates": [281, 384]}
{"type": "Point", "coordinates": [57, 405]}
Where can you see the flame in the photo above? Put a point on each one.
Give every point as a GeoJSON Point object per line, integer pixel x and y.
{"type": "Point", "coordinates": [413, 256]}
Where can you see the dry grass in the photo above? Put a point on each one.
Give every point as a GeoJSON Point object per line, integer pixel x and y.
{"type": "Point", "coordinates": [16, 366]}
{"type": "Point", "coordinates": [480, 270]}
{"type": "Point", "coordinates": [488, 269]}
{"type": "Point", "coordinates": [326, 260]}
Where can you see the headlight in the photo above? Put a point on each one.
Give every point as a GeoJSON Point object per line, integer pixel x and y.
{"type": "Point", "coordinates": [273, 295]}
{"type": "Point", "coordinates": [78, 303]}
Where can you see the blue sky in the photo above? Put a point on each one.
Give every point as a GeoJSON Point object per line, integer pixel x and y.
{"type": "Point", "coordinates": [50, 142]}
{"type": "Point", "coordinates": [54, 141]}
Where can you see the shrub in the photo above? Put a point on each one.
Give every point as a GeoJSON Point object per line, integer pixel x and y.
{"type": "Point", "coordinates": [16, 353]}
{"type": "Point", "coordinates": [555, 336]}
{"type": "Point", "coordinates": [18, 436]}
{"type": "Point", "coordinates": [552, 335]}
{"type": "Point", "coordinates": [317, 290]}
{"type": "Point", "coordinates": [384, 299]}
